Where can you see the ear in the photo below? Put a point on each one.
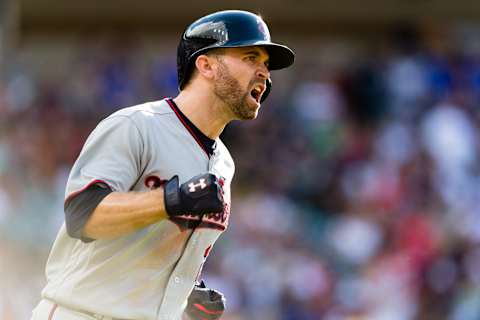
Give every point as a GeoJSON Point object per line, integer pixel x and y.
{"type": "Point", "coordinates": [204, 65]}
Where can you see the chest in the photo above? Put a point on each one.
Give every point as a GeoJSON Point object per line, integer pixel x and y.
{"type": "Point", "coordinates": [171, 150]}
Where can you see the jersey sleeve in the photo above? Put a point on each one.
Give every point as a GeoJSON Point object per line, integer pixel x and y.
{"type": "Point", "coordinates": [79, 208]}
{"type": "Point", "coordinates": [112, 155]}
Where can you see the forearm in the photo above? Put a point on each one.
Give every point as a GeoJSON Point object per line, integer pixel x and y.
{"type": "Point", "coordinates": [121, 213]}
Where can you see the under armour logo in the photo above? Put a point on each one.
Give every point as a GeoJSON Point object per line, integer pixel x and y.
{"type": "Point", "coordinates": [201, 183]}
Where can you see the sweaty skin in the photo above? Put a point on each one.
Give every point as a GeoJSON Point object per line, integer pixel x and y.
{"type": "Point", "coordinates": [121, 213]}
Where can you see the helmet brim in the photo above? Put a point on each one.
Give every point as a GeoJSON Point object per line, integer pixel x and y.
{"type": "Point", "coordinates": [280, 56]}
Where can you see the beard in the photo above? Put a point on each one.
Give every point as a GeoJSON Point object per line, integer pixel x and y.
{"type": "Point", "coordinates": [230, 92]}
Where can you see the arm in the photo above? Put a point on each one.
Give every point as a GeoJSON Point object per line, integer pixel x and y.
{"type": "Point", "coordinates": [120, 213]}
{"type": "Point", "coordinates": [114, 157]}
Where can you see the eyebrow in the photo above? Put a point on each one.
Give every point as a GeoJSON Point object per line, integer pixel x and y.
{"type": "Point", "coordinates": [256, 53]}
{"type": "Point", "coordinates": [252, 51]}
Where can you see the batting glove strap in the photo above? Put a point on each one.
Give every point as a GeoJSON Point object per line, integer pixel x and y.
{"type": "Point", "coordinates": [172, 197]}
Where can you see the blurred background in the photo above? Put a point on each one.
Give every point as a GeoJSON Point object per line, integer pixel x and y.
{"type": "Point", "coordinates": [357, 190]}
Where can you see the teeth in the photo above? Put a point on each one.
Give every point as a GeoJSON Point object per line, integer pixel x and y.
{"type": "Point", "coordinates": [256, 92]}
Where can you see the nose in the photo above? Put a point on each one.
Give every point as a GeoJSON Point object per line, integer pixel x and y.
{"type": "Point", "coordinates": [263, 72]}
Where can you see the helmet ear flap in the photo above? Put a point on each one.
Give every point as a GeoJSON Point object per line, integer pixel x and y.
{"type": "Point", "coordinates": [267, 90]}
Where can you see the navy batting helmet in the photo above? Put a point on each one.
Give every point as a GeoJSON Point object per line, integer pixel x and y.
{"type": "Point", "coordinates": [228, 29]}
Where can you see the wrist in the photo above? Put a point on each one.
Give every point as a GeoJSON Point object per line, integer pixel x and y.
{"type": "Point", "coordinates": [172, 197]}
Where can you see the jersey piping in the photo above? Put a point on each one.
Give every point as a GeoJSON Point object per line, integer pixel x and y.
{"type": "Point", "coordinates": [189, 128]}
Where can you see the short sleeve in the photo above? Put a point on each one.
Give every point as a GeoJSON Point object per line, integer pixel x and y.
{"type": "Point", "coordinates": [112, 155]}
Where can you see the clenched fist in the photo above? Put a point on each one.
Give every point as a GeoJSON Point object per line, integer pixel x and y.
{"type": "Point", "coordinates": [199, 195]}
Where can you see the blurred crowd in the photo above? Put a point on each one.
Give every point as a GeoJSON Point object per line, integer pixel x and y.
{"type": "Point", "coordinates": [356, 195]}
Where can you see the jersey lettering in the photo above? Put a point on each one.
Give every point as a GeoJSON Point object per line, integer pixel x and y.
{"type": "Point", "coordinates": [154, 182]}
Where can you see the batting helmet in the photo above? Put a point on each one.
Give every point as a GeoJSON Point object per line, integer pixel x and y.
{"type": "Point", "coordinates": [228, 29]}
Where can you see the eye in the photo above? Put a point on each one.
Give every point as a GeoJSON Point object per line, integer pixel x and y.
{"type": "Point", "coordinates": [256, 59]}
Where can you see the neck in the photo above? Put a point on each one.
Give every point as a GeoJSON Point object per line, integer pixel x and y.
{"type": "Point", "coordinates": [206, 112]}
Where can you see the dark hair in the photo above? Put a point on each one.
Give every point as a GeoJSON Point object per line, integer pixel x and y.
{"type": "Point", "coordinates": [185, 63]}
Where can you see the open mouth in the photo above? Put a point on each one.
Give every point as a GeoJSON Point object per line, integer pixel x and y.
{"type": "Point", "coordinates": [257, 92]}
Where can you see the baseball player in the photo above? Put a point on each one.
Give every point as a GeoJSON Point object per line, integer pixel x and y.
{"type": "Point", "coordinates": [149, 193]}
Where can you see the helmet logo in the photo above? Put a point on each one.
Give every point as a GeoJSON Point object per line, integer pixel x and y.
{"type": "Point", "coordinates": [262, 27]}
{"type": "Point", "coordinates": [209, 30]}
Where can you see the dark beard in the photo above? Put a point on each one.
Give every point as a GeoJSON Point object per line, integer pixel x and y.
{"type": "Point", "coordinates": [229, 90]}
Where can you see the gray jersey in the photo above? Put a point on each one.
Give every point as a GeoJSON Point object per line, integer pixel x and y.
{"type": "Point", "coordinates": [150, 273]}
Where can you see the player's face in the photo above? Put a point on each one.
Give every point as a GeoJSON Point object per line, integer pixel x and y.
{"type": "Point", "coordinates": [241, 80]}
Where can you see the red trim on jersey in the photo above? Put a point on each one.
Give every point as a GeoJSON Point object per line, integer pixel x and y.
{"type": "Point", "coordinates": [179, 116]}
{"type": "Point", "coordinates": [85, 188]}
{"type": "Point", "coordinates": [205, 310]}
{"type": "Point", "coordinates": [207, 251]}
{"type": "Point", "coordinates": [183, 224]}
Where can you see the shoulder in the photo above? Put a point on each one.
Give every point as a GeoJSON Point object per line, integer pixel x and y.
{"type": "Point", "coordinates": [140, 115]}
{"type": "Point", "coordinates": [147, 109]}
{"type": "Point", "coordinates": [225, 156]}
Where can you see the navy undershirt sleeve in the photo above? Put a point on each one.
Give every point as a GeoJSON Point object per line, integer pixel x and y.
{"type": "Point", "coordinates": [80, 208]}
